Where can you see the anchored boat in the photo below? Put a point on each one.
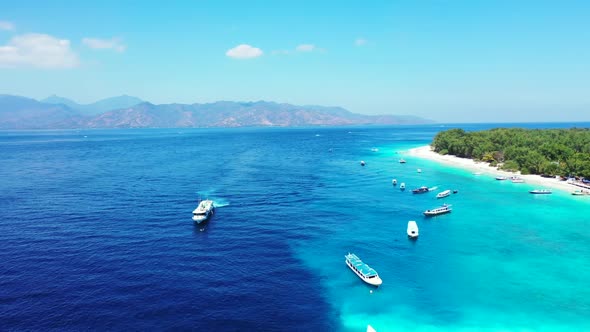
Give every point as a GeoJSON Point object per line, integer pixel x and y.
{"type": "Point", "coordinates": [516, 179]}
{"type": "Point", "coordinates": [443, 194]}
{"type": "Point", "coordinates": [362, 270]}
{"type": "Point", "coordinates": [402, 186]}
{"type": "Point", "coordinates": [394, 182]}
{"type": "Point", "coordinates": [541, 191]}
{"type": "Point", "coordinates": [445, 208]}
{"type": "Point", "coordinates": [412, 229]}
{"type": "Point", "coordinates": [420, 190]}
{"type": "Point", "coordinates": [204, 211]}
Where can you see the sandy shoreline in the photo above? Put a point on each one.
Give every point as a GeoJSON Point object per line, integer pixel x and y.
{"type": "Point", "coordinates": [425, 152]}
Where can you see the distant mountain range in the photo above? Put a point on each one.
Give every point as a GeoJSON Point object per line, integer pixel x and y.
{"type": "Point", "coordinates": [130, 112]}
{"type": "Point", "coordinates": [98, 107]}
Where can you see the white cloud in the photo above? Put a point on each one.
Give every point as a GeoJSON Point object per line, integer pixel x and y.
{"type": "Point", "coordinates": [37, 50]}
{"type": "Point", "coordinates": [105, 44]}
{"type": "Point", "coordinates": [5, 25]}
{"type": "Point", "coordinates": [360, 42]}
{"type": "Point", "coordinates": [244, 51]}
{"type": "Point", "coordinates": [305, 48]}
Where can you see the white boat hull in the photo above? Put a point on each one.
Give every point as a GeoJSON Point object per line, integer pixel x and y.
{"type": "Point", "coordinates": [199, 219]}
{"type": "Point", "coordinates": [432, 214]}
{"type": "Point", "coordinates": [438, 211]}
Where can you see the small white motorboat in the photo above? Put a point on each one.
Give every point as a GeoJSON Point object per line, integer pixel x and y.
{"type": "Point", "coordinates": [412, 229]}
{"type": "Point", "coordinates": [394, 182]}
{"type": "Point", "coordinates": [516, 179]}
{"type": "Point", "coordinates": [374, 149]}
{"type": "Point", "coordinates": [443, 194]}
{"type": "Point", "coordinates": [362, 163]}
{"type": "Point", "coordinates": [402, 186]}
{"type": "Point", "coordinates": [501, 178]}
{"type": "Point", "coordinates": [402, 161]}
{"type": "Point", "coordinates": [540, 191]}
{"type": "Point", "coordinates": [370, 329]}
{"type": "Point", "coordinates": [419, 170]}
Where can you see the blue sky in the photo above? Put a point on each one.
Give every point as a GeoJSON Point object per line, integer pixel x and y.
{"type": "Point", "coordinates": [451, 61]}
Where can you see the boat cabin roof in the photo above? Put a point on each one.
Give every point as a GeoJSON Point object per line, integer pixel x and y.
{"type": "Point", "coordinates": [363, 268]}
{"type": "Point", "coordinates": [444, 207]}
{"type": "Point", "coordinates": [203, 206]}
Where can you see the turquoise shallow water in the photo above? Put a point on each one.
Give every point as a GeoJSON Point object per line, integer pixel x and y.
{"type": "Point", "coordinates": [503, 260]}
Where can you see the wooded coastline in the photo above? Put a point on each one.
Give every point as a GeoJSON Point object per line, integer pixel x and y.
{"type": "Point", "coordinates": [550, 152]}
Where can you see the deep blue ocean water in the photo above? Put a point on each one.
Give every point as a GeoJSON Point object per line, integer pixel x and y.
{"type": "Point", "coordinates": [96, 233]}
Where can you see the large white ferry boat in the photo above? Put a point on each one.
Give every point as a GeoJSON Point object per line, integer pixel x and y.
{"type": "Point", "coordinates": [204, 211]}
{"type": "Point", "coordinates": [362, 270]}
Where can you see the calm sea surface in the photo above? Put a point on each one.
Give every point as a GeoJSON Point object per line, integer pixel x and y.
{"type": "Point", "coordinates": [96, 233]}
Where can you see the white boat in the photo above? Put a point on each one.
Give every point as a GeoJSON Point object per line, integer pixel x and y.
{"type": "Point", "coordinates": [443, 194]}
{"type": "Point", "coordinates": [374, 149]}
{"type": "Point", "coordinates": [419, 170]}
{"type": "Point", "coordinates": [402, 161]}
{"type": "Point", "coordinates": [477, 173]}
{"type": "Point", "coordinates": [516, 179]}
{"type": "Point", "coordinates": [541, 191]}
{"type": "Point", "coordinates": [445, 208]}
{"type": "Point", "coordinates": [402, 186]}
{"type": "Point", "coordinates": [370, 329]}
{"type": "Point", "coordinates": [204, 211]}
{"type": "Point", "coordinates": [412, 229]}
{"type": "Point", "coordinates": [394, 182]}
{"type": "Point", "coordinates": [501, 178]}
{"type": "Point", "coordinates": [362, 163]}
{"type": "Point", "coordinates": [362, 270]}
{"type": "Point", "coordinates": [581, 193]}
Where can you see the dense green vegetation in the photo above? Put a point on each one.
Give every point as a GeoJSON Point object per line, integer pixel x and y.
{"type": "Point", "coordinates": [532, 151]}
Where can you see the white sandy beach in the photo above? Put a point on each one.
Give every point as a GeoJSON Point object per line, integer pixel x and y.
{"type": "Point", "coordinates": [426, 152]}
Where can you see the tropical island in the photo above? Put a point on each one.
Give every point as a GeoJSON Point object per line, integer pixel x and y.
{"type": "Point", "coordinates": [551, 152]}
{"type": "Point", "coordinates": [556, 158]}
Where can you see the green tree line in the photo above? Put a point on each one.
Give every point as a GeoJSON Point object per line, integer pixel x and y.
{"type": "Point", "coordinates": [561, 152]}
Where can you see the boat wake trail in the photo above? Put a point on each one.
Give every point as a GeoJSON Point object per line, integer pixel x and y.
{"type": "Point", "coordinates": [210, 194]}
{"type": "Point", "coordinates": [220, 202]}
